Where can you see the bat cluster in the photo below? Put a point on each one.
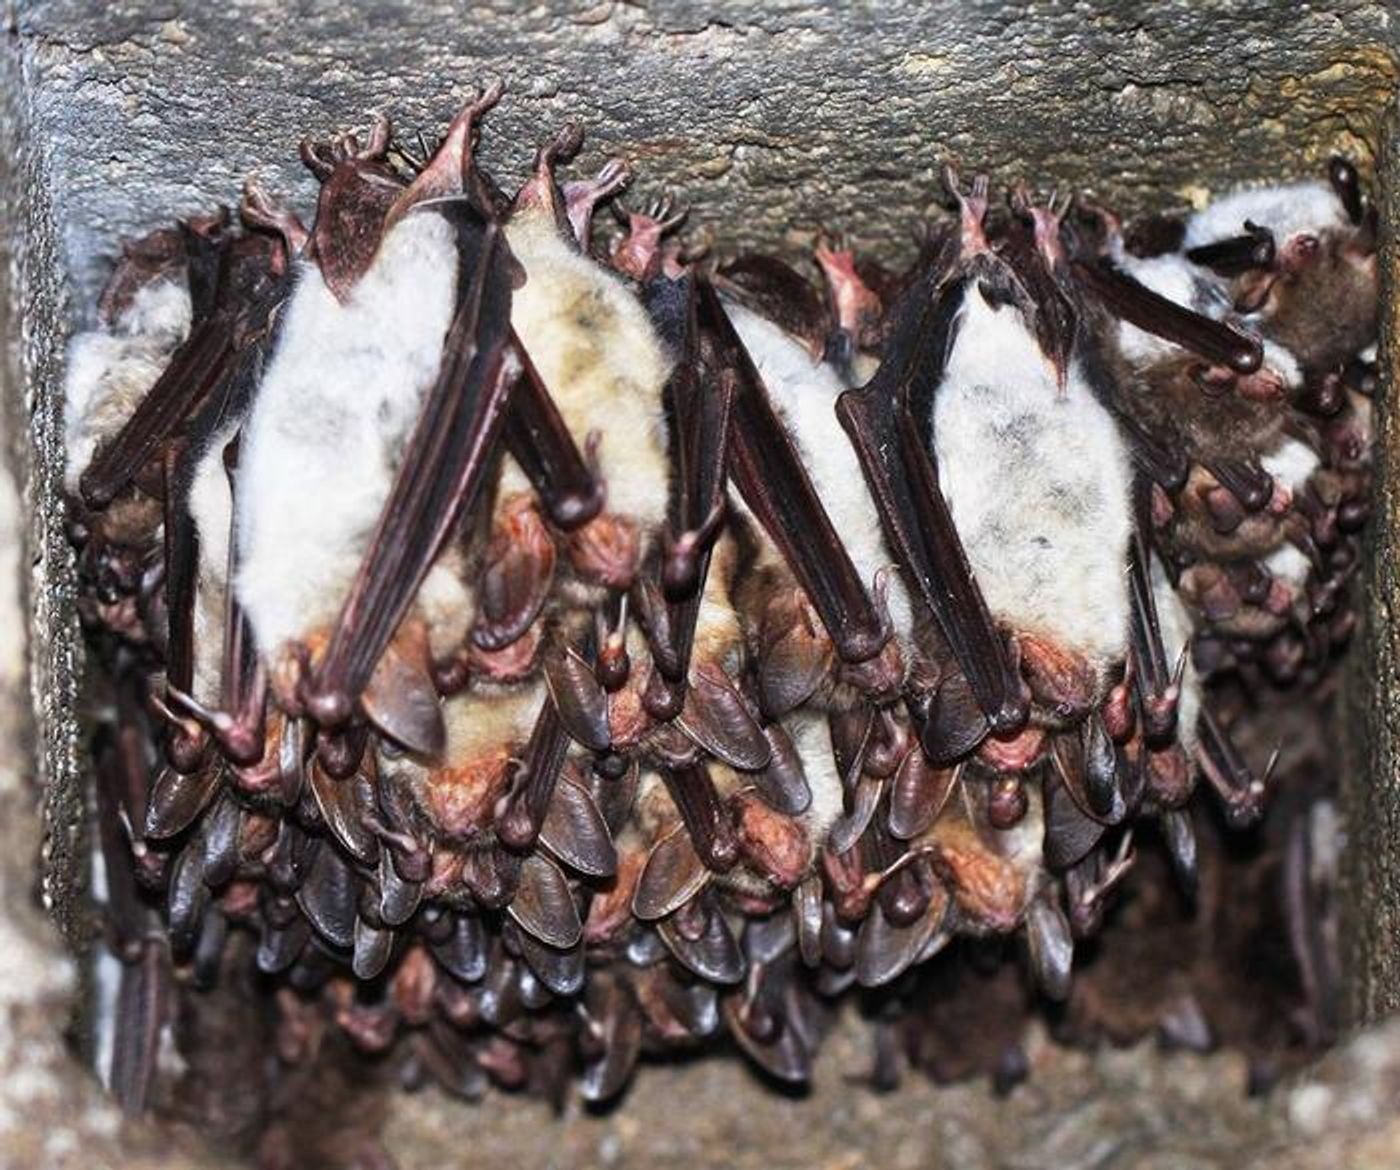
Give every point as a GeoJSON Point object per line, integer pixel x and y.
{"type": "Point", "coordinates": [529, 654]}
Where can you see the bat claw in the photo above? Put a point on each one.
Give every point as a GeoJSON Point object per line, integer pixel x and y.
{"type": "Point", "coordinates": [640, 253]}
{"type": "Point", "coordinates": [450, 170]}
{"type": "Point", "coordinates": [582, 196]}
{"type": "Point", "coordinates": [972, 207]}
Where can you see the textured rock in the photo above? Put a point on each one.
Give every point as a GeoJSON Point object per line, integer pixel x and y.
{"type": "Point", "coordinates": [773, 119]}
{"type": "Point", "coordinates": [1372, 859]}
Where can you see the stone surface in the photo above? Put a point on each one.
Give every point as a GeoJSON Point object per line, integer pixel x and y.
{"type": "Point", "coordinates": [1372, 770]}
{"type": "Point", "coordinates": [773, 120]}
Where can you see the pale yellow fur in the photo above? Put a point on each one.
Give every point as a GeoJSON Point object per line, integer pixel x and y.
{"type": "Point", "coordinates": [596, 351]}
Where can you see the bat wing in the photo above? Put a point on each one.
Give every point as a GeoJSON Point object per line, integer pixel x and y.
{"type": "Point", "coordinates": [200, 364]}
{"type": "Point", "coordinates": [540, 441]}
{"type": "Point", "coordinates": [770, 475]}
{"type": "Point", "coordinates": [443, 469]}
{"type": "Point", "coordinates": [1138, 305]}
{"type": "Point", "coordinates": [245, 303]}
{"type": "Point", "coordinates": [902, 479]}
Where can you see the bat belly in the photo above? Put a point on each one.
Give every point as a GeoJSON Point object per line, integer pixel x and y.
{"type": "Point", "coordinates": [1039, 487]}
{"type": "Point", "coordinates": [336, 408]}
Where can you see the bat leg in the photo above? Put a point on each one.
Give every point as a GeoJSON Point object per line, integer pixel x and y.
{"type": "Point", "coordinates": [438, 482]}
{"type": "Point", "coordinates": [1090, 882]}
{"type": "Point", "coordinates": [239, 732]}
{"type": "Point", "coordinates": [259, 209]}
{"type": "Point", "coordinates": [855, 308]}
{"type": "Point", "coordinates": [582, 196]}
{"type": "Point", "coordinates": [451, 171]}
{"type": "Point", "coordinates": [541, 190]}
{"type": "Point", "coordinates": [1240, 791]}
{"type": "Point", "coordinates": [767, 469]}
{"type": "Point", "coordinates": [517, 575]}
{"type": "Point", "coordinates": [972, 209]}
{"type": "Point", "coordinates": [522, 812]}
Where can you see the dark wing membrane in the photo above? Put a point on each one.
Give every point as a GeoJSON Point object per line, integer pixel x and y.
{"type": "Point", "coordinates": [540, 442]}
{"type": "Point", "coordinates": [246, 299]}
{"type": "Point", "coordinates": [770, 475]}
{"type": "Point", "coordinates": [441, 475]}
{"type": "Point", "coordinates": [899, 470]}
{"type": "Point", "coordinates": [1138, 305]}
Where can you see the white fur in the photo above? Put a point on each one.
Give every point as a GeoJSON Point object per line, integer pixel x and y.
{"type": "Point", "coordinates": [1291, 463]}
{"type": "Point", "coordinates": [1174, 624]}
{"type": "Point", "coordinates": [1285, 210]}
{"type": "Point", "coordinates": [160, 311]}
{"type": "Point", "coordinates": [335, 409]}
{"type": "Point", "coordinates": [811, 736]}
{"type": "Point", "coordinates": [596, 351]}
{"type": "Point", "coordinates": [1038, 484]}
{"type": "Point", "coordinates": [111, 370]}
{"type": "Point", "coordinates": [486, 718]}
{"type": "Point", "coordinates": [211, 507]}
{"type": "Point", "coordinates": [1284, 363]}
{"type": "Point", "coordinates": [1287, 564]}
{"type": "Point", "coordinates": [804, 393]}
{"type": "Point", "coordinates": [1175, 278]}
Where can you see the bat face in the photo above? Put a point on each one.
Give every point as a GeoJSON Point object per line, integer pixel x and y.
{"type": "Point", "coordinates": [520, 658]}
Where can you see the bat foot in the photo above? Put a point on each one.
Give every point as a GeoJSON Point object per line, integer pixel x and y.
{"type": "Point", "coordinates": [972, 210]}
{"type": "Point", "coordinates": [541, 191]}
{"type": "Point", "coordinates": [643, 252]}
{"type": "Point", "coordinates": [582, 196]}
{"type": "Point", "coordinates": [449, 171]}
{"type": "Point", "coordinates": [260, 209]}
{"type": "Point", "coordinates": [855, 307]}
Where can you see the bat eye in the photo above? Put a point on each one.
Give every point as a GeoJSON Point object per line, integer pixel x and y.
{"type": "Point", "coordinates": [1212, 381]}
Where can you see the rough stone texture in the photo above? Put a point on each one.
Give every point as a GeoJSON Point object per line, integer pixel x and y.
{"type": "Point", "coordinates": [772, 119]}
{"type": "Point", "coordinates": [1372, 859]}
